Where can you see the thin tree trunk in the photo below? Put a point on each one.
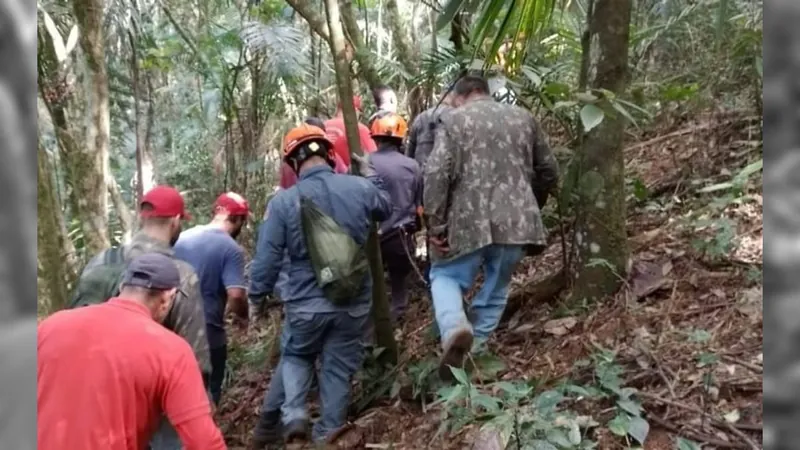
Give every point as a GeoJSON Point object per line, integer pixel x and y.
{"type": "Point", "coordinates": [126, 219]}
{"type": "Point", "coordinates": [384, 333]}
{"type": "Point", "coordinates": [601, 236]}
{"type": "Point", "coordinates": [56, 253]}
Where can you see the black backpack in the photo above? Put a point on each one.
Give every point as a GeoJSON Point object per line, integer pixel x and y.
{"type": "Point", "coordinates": [102, 282]}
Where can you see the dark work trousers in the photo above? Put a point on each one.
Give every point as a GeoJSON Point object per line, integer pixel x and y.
{"type": "Point", "coordinates": [396, 251]}
{"type": "Point", "coordinates": [219, 357]}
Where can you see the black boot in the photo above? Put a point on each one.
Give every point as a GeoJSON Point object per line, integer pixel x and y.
{"type": "Point", "coordinates": [268, 430]}
{"type": "Point", "coordinates": [297, 430]}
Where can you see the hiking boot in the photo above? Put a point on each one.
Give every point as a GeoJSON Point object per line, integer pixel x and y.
{"type": "Point", "coordinates": [267, 431]}
{"type": "Point", "coordinates": [455, 348]}
{"type": "Point", "coordinates": [296, 430]}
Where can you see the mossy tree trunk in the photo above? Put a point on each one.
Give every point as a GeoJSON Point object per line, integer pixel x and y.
{"type": "Point", "coordinates": [56, 254]}
{"type": "Point", "coordinates": [601, 239]}
{"type": "Point", "coordinates": [384, 333]}
{"type": "Point", "coordinates": [92, 168]}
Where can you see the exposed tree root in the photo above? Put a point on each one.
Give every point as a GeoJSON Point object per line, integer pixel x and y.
{"type": "Point", "coordinates": [543, 292]}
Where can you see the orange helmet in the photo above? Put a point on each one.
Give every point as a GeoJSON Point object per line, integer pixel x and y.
{"type": "Point", "coordinates": [306, 133]}
{"type": "Point", "coordinates": [390, 125]}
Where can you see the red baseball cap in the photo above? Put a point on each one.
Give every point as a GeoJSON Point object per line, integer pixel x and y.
{"type": "Point", "coordinates": [233, 203]}
{"type": "Point", "coordinates": [166, 201]}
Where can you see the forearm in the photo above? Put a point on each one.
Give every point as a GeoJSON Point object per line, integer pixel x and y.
{"type": "Point", "coordinates": [201, 433]}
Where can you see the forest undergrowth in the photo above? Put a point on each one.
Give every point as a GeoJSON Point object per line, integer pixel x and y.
{"type": "Point", "coordinates": [672, 361]}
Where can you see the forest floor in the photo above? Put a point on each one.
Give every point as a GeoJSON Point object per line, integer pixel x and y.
{"type": "Point", "coordinates": [685, 331]}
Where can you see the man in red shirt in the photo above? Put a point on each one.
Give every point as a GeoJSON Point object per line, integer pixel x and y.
{"type": "Point", "coordinates": [108, 372]}
{"type": "Point", "coordinates": [334, 128]}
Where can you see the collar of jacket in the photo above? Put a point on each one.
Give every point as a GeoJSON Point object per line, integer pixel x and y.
{"type": "Point", "coordinates": [313, 171]}
{"type": "Point", "coordinates": [146, 244]}
{"type": "Point", "coordinates": [388, 147]}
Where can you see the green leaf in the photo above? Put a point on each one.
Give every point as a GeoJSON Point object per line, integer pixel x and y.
{"type": "Point", "coordinates": [619, 425]}
{"type": "Point", "coordinates": [548, 400]}
{"type": "Point", "coordinates": [638, 429]}
{"type": "Point", "coordinates": [558, 437]}
{"type": "Point", "coordinates": [450, 11]}
{"type": "Point", "coordinates": [574, 433]}
{"type": "Point", "coordinates": [716, 187]}
{"type": "Point", "coordinates": [699, 336]}
{"type": "Point", "coordinates": [685, 444]}
{"type": "Point", "coordinates": [591, 116]}
{"type": "Point", "coordinates": [539, 444]}
{"type": "Point", "coordinates": [586, 97]}
{"type": "Point", "coordinates": [460, 375]}
{"type": "Point", "coordinates": [489, 403]}
{"type": "Point", "coordinates": [707, 359]}
{"type": "Point", "coordinates": [630, 406]}
{"type": "Point", "coordinates": [749, 170]}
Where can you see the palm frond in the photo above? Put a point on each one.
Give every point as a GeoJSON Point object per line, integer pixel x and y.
{"type": "Point", "coordinates": [283, 44]}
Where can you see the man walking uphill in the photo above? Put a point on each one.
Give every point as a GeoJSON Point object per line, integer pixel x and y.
{"type": "Point", "coordinates": [319, 323]}
{"type": "Point", "coordinates": [219, 263]}
{"type": "Point", "coordinates": [160, 214]}
{"type": "Point", "coordinates": [487, 177]}
{"type": "Point", "coordinates": [403, 179]}
{"type": "Point", "coordinates": [106, 372]}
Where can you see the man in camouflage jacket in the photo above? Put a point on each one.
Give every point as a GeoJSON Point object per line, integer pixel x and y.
{"type": "Point", "coordinates": [162, 210]}
{"type": "Point", "coordinates": [486, 179]}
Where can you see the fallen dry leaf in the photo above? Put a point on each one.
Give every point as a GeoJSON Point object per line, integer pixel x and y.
{"type": "Point", "coordinates": [560, 327]}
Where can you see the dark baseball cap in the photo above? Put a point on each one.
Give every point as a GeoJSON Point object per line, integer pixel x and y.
{"type": "Point", "coordinates": [152, 271]}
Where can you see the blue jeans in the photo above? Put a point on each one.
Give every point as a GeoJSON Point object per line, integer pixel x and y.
{"type": "Point", "coordinates": [336, 339]}
{"type": "Point", "coordinates": [166, 438]}
{"type": "Point", "coordinates": [451, 278]}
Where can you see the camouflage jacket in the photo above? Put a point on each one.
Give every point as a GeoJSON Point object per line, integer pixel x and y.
{"type": "Point", "coordinates": [423, 132]}
{"type": "Point", "coordinates": [186, 318]}
{"type": "Point", "coordinates": [489, 165]}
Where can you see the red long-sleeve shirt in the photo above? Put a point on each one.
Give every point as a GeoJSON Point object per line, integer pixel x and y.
{"type": "Point", "coordinates": [108, 372]}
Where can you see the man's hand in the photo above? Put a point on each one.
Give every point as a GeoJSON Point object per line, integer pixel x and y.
{"type": "Point", "coordinates": [363, 166]}
{"type": "Point", "coordinates": [440, 244]}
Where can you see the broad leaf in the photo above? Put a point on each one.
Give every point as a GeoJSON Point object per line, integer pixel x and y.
{"type": "Point", "coordinates": [591, 116]}
{"type": "Point", "coordinates": [638, 428]}
{"type": "Point", "coordinates": [58, 41]}
{"type": "Point", "coordinates": [685, 444]}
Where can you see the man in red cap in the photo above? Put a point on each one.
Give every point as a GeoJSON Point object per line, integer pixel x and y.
{"type": "Point", "coordinates": [219, 262]}
{"type": "Point", "coordinates": [161, 212]}
{"type": "Point", "coordinates": [334, 128]}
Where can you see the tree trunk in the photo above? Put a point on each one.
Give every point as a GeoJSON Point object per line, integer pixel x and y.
{"type": "Point", "coordinates": [145, 172]}
{"type": "Point", "coordinates": [84, 167]}
{"type": "Point", "coordinates": [56, 254]}
{"type": "Point", "coordinates": [92, 170]}
{"type": "Point", "coordinates": [601, 237]}
{"type": "Point", "coordinates": [362, 53]}
{"type": "Point", "coordinates": [384, 333]}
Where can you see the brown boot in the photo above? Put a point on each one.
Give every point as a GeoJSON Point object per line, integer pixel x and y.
{"type": "Point", "coordinates": [455, 348]}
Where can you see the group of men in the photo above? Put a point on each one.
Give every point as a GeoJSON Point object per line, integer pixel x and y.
{"type": "Point", "coordinates": [111, 377]}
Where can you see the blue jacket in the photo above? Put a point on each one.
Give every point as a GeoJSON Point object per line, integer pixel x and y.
{"type": "Point", "coordinates": [403, 180]}
{"type": "Point", "coordinates": [352, 201]}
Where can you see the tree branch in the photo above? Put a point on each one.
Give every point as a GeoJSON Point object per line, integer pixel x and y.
{"type": "Point", "coordinates": [314, 20]}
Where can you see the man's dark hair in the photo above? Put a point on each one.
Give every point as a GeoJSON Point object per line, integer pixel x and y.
{"type": "Point", "coordinates": [315, 121]}
{"type": "Point", "coordinates": [471, 83]}
{"type": "Point", "coordinates": [154, 221]}
{"type": "Point", "coordinates": [379, 92]}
